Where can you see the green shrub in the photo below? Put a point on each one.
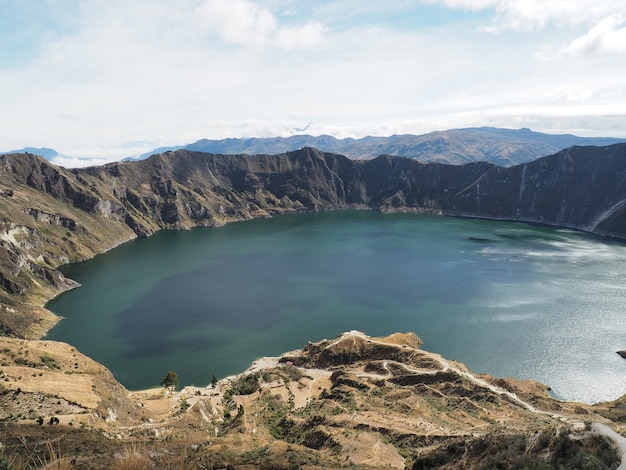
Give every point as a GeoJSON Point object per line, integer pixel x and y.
{"type": "Point", "coordinates": [49, 362]}
{"type": "Point", "coordinates": [5, 463]}
{"type": "Point", "coordinates": [246, 385]}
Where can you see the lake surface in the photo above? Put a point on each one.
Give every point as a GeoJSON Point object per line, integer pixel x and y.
{"type": "Point", "coordinates": [507, 299]}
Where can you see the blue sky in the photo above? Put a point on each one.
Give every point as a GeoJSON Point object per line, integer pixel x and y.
{"type": "Point", "coordinates": [102, 80]}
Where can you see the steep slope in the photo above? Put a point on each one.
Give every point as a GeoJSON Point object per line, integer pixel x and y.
{"type": "Point", "coordinates": [581, 187]}
{"type": "Point", "coordinates": [351, 402]}
{"type": "Point", "coordinates": [48, 378]}
{"type": "Point", "coordinates": [52, 216]}
{"type": "Point", "coordinates": [48, 217]}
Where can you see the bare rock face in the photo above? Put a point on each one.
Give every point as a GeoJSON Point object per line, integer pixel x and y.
{"type": "Point", "coordinates": [582, 187]}
{"type": "Point", "coordinates": [52, 216]}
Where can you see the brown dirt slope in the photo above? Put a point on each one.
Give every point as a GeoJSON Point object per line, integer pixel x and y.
{"type": "Point", "coordinates": [351, 402]}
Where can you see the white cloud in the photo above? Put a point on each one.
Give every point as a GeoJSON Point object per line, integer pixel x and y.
{"type": "Point", "coordinates": [134, 71]}
{"type": "Point", "coordinates": [607, 36]}
{"type": "Point", "coordinates": [470, 5]}
{"type": "Point", "coordinates": [533, 15]}
{"type": "Point", "coordinates": [245, 23]}
{"type": "Point", "coordinates": [238, 21]}
{"type": "Point", "coordinates": [301, 37]}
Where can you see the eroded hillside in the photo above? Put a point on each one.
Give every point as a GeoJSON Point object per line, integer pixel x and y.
{"type": "Point", "coordinates": [52, 216]}
{"type": "Point", "coordinates": [351, 402]}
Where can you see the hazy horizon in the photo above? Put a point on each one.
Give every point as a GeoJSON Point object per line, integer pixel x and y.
{"type": "Point", "coordinates": [105, 80]}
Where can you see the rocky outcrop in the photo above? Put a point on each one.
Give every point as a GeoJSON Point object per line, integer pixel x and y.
{"type": "Point", "coordinates": [355, 401]}
{"type": "Point", "coordinates": [54, 216]}
{"type": "Point", "coordinates": [582, 188]}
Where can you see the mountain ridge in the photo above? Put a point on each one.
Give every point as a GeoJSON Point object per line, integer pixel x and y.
{"type": "Point", "coordinates": [54, 216]}
{"type": "Point", "coordinates": [353, 402]}
{"type": "Point", "coordinates": [504, 147]}
{"type": "Point", "coordinates": [501, 146]}
{"type": "Point", "coordinates": [47, 153]}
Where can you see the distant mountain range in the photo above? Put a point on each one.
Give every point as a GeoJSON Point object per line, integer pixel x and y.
{"type": "Point", "coordinates": [48, 154]}
{"type": "Point", "coordinates": [503, 147]}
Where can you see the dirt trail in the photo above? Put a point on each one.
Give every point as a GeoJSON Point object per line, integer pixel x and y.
{"type": "Point", "coordinates": [447, 365]}
{"type": "Point", "coordinates": [618, 440]}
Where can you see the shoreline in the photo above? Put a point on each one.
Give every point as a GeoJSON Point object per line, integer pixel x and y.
{"type": "Point", "coordinates": [47, 299]}
{"type": "Point", "coordinates": [357, 207]}
{"type": "Point", "coordinates": [153, 381]}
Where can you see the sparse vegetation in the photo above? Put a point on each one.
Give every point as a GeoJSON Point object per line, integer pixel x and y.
{"type": "Point", "coordinates": [290, 417]}
{"type": "Point", "coordinates": [49, 362]}
{"type": "Point", "coordinates": [183, 406]}
{"type": "Point", "coordinates": [6, 463]}
{"type": "Point", "coordinates": [134, 458]}
{"type": "Point", "coordinates": [544, 451]}
{"type": "Point", "coordinates": [274, 412]}
{"type": "Point", "coordinates": [246, 384]}
{"type": "Point", "coordinates": [170, 381]}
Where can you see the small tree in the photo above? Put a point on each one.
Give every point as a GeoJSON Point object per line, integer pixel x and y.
{"type": "Point", "coordinates": [214, 381]}
{"type": "Point", "coordinates": [170, 381]}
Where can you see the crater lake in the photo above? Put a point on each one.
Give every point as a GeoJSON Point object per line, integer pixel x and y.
{"type": "Point", "coordinates": [508, 299]}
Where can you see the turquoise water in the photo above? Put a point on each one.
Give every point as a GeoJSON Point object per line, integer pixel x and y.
{"type": "Point", "coordinates": [507, 299]}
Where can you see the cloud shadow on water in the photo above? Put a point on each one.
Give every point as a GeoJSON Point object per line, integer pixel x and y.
{"type": "Point", "coordinates": [236, 292]}
{"type": "Point", "coordinates": [257, 292]}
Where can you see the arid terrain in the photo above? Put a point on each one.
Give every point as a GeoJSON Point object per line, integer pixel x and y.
{"type": "Point", "coordinates": [351, 402]}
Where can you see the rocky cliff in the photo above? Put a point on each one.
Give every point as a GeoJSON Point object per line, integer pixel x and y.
{"type": "Point", "coordinates": [52, 216]}
{"type": "Point", "coordinates": [582, 187]}
{"type": "Point", "coordinates": [351, 402]}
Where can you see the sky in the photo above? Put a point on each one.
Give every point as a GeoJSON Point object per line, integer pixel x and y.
{"type": "Point", "coordinates": [99, 80]}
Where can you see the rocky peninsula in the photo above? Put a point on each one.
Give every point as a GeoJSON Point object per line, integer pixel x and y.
{"type": "Point", "coordinates": [351, 402]}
